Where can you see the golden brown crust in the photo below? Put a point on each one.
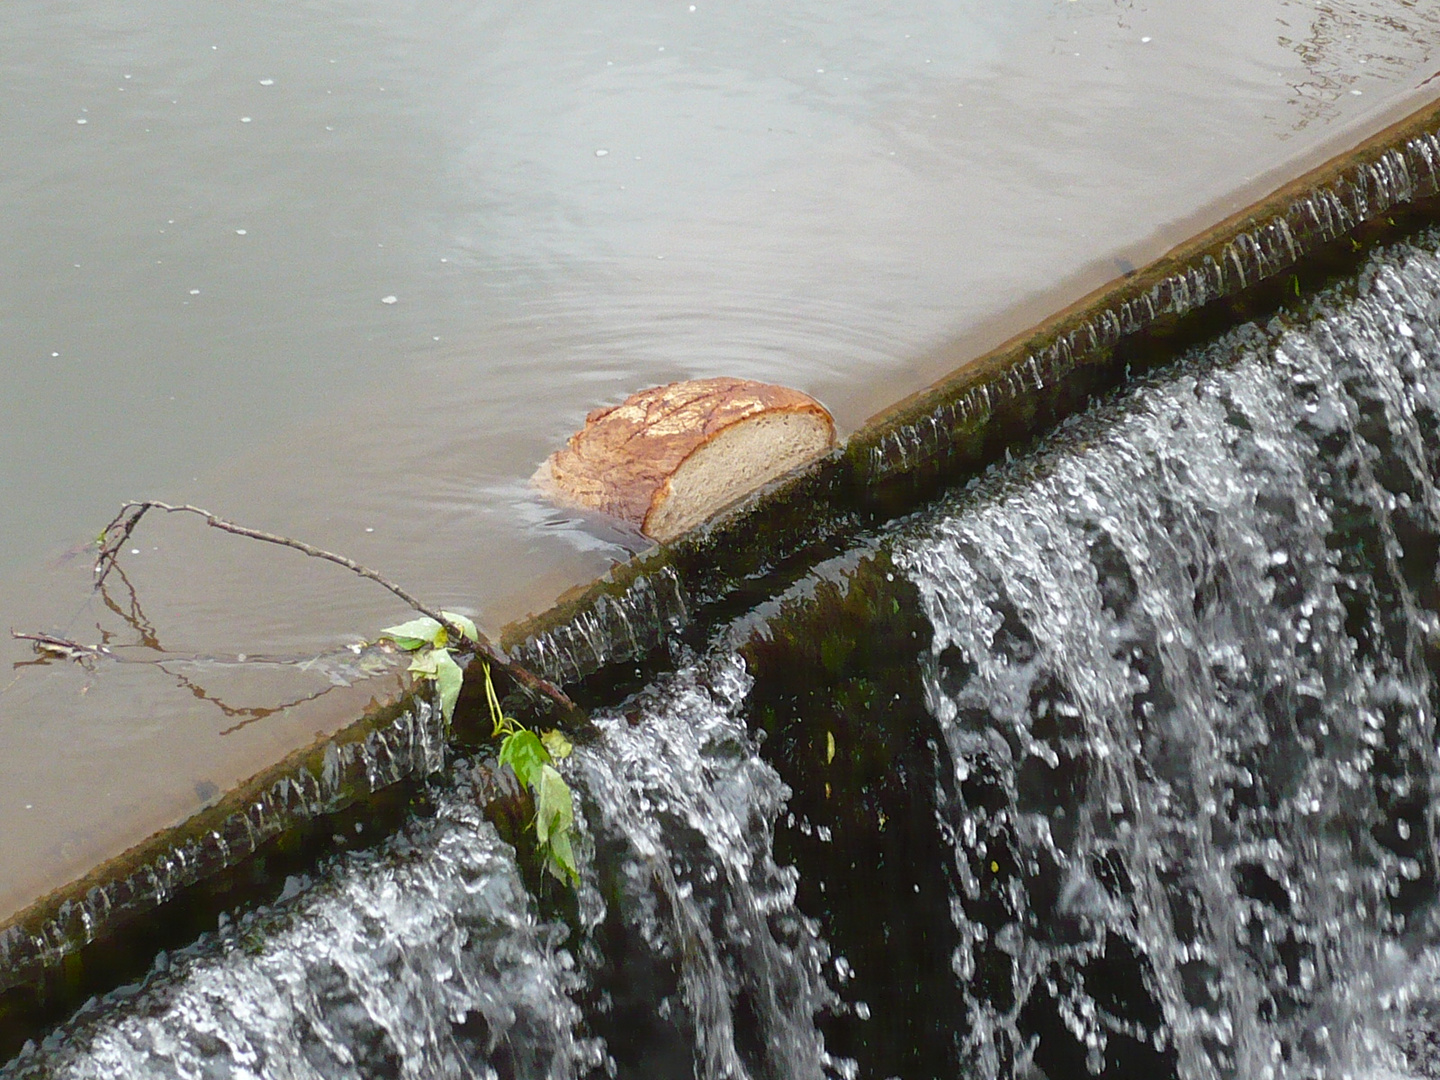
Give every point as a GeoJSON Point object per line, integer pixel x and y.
{"type": "Point", "coordinates": [619, 462]}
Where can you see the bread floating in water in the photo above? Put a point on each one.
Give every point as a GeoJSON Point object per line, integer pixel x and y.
{"type": "Point", "coordinates": [668, 458]}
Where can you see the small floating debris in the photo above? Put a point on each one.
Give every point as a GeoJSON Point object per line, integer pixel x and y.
{"type": "Point", "coordinates": [389, 299]}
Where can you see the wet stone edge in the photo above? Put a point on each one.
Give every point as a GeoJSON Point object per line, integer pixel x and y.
{"type": "Point", "coordinates": [1000, 400]}
{"type": "Point", "coordinates": [402, 740]}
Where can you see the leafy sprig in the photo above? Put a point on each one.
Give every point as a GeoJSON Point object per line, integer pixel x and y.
{"type": "Point", "coordinates": [428, 641]}
{"type": "Point", "coordinates": [530, 756]}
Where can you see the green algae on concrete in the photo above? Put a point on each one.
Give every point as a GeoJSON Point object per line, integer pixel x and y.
{"type": "Point", "coordinates": [393, 741]}
{"type": "Point", "coordinates": [839, 703]}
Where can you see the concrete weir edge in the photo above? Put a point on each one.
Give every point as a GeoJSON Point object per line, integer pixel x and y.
{"type": "Point", "coordinates": [895, 461]}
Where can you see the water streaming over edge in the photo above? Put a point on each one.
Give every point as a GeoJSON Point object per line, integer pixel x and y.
{"type": "Point", "coordinates": [1183, 673]}
{"type": "Point", "coordinates": [427, 957]}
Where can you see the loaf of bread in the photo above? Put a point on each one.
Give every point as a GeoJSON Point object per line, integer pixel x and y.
{"type": "Point", "coordinates": [668, 458]}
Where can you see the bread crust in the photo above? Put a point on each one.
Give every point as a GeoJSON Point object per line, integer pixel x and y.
{"type": "Point", "coordinates": [621, 461]}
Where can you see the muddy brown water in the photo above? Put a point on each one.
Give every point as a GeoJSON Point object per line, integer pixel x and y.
{"type": "Point", "coordinates": [205, 213]}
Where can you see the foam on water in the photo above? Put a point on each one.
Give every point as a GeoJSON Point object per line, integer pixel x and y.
{"type": "Point", "coordinates": [423, 960]}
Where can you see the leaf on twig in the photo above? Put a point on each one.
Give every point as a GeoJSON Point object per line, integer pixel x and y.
{"type": "Point", "coordinates": [424, 663]}
{"type": "Point", "coordinates": [448, 678]}
{"type": "Point", "coordinates": [466, 626]}
{"type": "Point", "coordinates": [525, 755]}
{"type": "Point", "coordinates": [416, 634]}
{"type": "Point", "coordinates": [555, 812]}
{"type": "Point", "coordinates": [561, 861]}
{"type": "Point", "coordinates": [554, 815]}
{"type": "Point", "coordinates": [558, 745]}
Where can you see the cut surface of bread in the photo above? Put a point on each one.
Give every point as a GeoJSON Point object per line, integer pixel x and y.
{"type": "Point", "coordinates": [668, 458]}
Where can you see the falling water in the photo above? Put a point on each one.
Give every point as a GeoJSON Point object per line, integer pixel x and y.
{"type": "Point", "coordinates": [1126, 767]}
{"type": "Point", "coordinates": [1182, 669]}
{"type": "Point", "coordinates": [427, 957]}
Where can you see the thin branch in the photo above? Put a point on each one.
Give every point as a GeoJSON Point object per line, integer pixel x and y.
{"type": "Point", "coordinates": [63, 647]}
{"type": "Point", "coordinates": [118, 532]}
{"type": "Point", "coordinates": [69, 649]}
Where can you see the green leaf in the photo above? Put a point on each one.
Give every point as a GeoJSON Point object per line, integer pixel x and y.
{"type": "Point", "coordinates": [424, 664]}
{"type": "Point", "coordinates": [416, 633]}
{"type": "Point", "coordinates": [561, 858]}
{"type": "Point", "coordinates": [467, 626]}
{"type": "Point", "coordinates": [557, 744]}
{"type": "Point", "coordinates": [526, 755]}
{"type": "Point", "coordinates": [554, 810]}
{"type": "Point", "coordinates": [448, 678]}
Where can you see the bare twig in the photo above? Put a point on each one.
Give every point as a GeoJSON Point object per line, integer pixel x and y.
{"type": "Point", "coordinates": [55, 645]}
{"type": "Point", "coordinates": [68, 649]}
{"type": "Point", "coordinates": [118, 532]}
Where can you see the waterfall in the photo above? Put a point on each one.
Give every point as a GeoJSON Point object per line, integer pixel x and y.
{"type": "Point", "coordinates": [1182, 666]}
{"type": "Point", "coordinates": [427, 957]}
